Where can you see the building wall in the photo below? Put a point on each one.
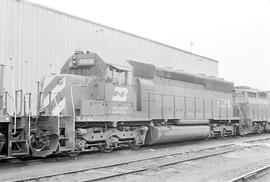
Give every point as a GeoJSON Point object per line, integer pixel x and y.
{"type": "Point", "coordinates": [35, 41]}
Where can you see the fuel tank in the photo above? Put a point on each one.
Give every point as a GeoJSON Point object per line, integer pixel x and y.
{"type": "Point", "coordinates": [168, 134]}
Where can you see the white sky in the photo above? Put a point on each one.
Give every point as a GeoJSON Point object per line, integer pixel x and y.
{"type": "Point", "coordinates": [235, 32]}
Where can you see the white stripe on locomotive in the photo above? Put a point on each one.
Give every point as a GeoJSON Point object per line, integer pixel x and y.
{"type": "Point", "coordinates": [47, 81]}
{"type": "Point", "coordinates": [59, 107]}
{"type": "Point", "coordinates": [55, 91]}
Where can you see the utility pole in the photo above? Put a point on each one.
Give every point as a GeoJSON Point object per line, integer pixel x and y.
{"type": "Point", "coordinates": [191, 45]}
{"type": "Point", "coordinates": [20, 43]}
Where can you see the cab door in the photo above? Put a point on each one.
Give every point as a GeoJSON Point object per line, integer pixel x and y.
{"type": "Point", "coordinates": [119, 97]}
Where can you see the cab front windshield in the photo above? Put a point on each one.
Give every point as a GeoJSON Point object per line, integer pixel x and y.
{"type": "Point", "coordinates": [87, 71]}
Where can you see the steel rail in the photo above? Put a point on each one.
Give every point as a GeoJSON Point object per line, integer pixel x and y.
{"type": "Point", "coordinates": [117, 164]}
{"type": "Point", "coordinates": [161, 166]}
{"type": "Point", "coordinates": [250, 175]}
{"type": "Point", "coordinates": [145, 159]}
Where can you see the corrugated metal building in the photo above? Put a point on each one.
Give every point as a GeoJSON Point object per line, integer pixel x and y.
{"type": "Point", "coordinates": [35, 41]}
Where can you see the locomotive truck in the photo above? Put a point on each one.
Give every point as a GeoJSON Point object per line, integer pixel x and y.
{"type": "Point", "coordinates": [95, 104]}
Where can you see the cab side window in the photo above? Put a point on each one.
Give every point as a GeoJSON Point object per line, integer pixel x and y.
{"type": "Point", "coordinates": [115, 76]}
{"type": "Point", "coordinates": [122, 78]}
{"type": "Point", "coordinates": [109, 74]}
{"type": "Point", "coordinates": [239, 94]}
{"type": "Point", "coordinates": [129, 78]}
{"type": "Point", "coordinates": [119, 77]}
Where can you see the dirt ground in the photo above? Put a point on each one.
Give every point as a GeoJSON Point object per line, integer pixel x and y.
{"type": "Point", "coordinates": [262, 178]}
{"type": "Point", "coordinates": [219, 168]}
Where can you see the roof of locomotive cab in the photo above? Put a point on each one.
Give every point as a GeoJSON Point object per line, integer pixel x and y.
{"type": "Point", "coordinates": [81, 55]}
{"type": "Point", "coordinates": [126, 67]}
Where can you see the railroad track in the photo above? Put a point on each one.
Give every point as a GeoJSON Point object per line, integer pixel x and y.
{"type": "Point", "coordinates": [251, 175]}
{"type": "Point", "coordinates": [141, 165]}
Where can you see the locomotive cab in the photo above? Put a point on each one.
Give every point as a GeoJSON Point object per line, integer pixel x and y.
{"type": "Point", "coordinates": [108, 92]}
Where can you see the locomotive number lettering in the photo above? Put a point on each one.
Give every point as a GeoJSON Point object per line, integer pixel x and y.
{"type": "Point", "coordinates": [119, 110]}
{"type": "Point", "coordinates": [121, 94]}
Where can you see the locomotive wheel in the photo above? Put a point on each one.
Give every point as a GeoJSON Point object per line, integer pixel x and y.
{"type": "Point", "coordinates": [134, 146]}
{"type": "Point", "coordinates": [72, 153]}
{"type": "Point", "coordinates": [105, 147]}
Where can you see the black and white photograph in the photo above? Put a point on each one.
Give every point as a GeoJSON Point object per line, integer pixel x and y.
{"type": "Point", "coordinates": [134, 90]}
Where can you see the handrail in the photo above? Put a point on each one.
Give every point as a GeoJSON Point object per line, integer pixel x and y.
{"type": "Point", "coordinates": [15, 115]}
{"type": "Point", "coordinates": [39, 108]}
{"type": "Point", "coordinates": [21, 101]}
{"type": "Point", "coordinates": [29, 109]}
{"type": "Point", "coordinates": [29, 102]}
{"type": "Point", "coordinates": [15, 105]}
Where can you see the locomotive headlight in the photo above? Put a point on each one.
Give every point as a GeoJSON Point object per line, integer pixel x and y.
{"type": "Point", "coordinates": [60, 81]}
{"type": "Point", "coordinates": [74, 62]}
{"type": "Point", "coordinates": [7, 118]}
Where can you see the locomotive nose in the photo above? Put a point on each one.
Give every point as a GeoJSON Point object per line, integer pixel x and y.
{"type": "Point", "coordinates": [60, 93]}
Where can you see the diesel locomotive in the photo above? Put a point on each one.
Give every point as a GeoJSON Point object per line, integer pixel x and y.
{"type": "Point", "coordinates": [93, 104]}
